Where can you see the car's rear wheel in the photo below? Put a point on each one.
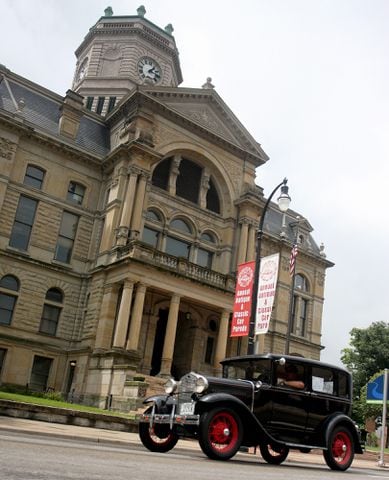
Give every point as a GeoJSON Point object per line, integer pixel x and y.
{"type": "Point", "coordinates": [273, 454]}
{"type": "Point", "coordinates": [158, 438]}
{"type": "Point", "coordinates": [220, 433]}
{"type": "Point", "coordinates": [340, 452]}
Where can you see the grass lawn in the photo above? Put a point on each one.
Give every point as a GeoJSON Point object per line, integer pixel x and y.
{"type": "Point", "coordinates": [48, 402]}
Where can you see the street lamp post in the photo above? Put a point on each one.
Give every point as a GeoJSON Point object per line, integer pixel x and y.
{"type": "Point", "coordinates": [283, 204]}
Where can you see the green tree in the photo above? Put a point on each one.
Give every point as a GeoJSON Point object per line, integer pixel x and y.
{"type": "Point", "coordinates": [367, 355]}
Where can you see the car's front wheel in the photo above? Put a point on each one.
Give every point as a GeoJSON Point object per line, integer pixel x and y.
{"type": "Point", "coordinates": [273, 454]}
{"type": "Point", "coordinates": [158, 438]}
{"type": "Point", "coordinates": [340, 449]}
{"type": "Point", "coordinates": [220, 433]}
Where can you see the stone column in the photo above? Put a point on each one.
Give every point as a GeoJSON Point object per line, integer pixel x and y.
{"type": "Point", "coordinates": [204, 187]}
{"type": "Point", "coordinates": [107, 317]}
{"type": "Point", "coordinates": [136, 317]}
{"type": "Point", "coordinates": [170, 336]}
{"type": "Point", "coordinates": [138, 206]}
{"type": "Point", "coordinates": [243, 241]}
{"type": "Point", "coordinates": [251, 247]}
{"type": "Point", "coordinates": [259, 345]}
{"type": "Point", "coordinates": [128, 205]}
{"type": "Point", "coordinates": [174, 172]}
{"type": "Point", "coordinates": [119, 339]}
{"type": "Point", "coordinates": [149, 344]}
{"type": "Point", "coordinates": [221, 343]}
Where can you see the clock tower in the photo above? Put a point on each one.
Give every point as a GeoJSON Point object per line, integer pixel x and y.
{"type": "Point", "coordinates": [121, 52]}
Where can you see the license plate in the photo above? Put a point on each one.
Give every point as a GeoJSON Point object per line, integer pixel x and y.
{"type": "Point", "coordinates": [186, 408]}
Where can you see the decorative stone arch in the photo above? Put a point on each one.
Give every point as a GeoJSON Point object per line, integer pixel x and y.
{"type": "Point", "coordinates": [64, 287]}
{"type": "Point", "coordinates": [21, 275]}
{"type": "Point", "coordinates": [225, 187]}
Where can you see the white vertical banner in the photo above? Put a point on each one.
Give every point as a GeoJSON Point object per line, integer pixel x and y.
{"type": "Point", "coordinates": [267, 284]}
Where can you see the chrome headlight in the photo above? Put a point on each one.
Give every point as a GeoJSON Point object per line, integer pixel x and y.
{"type": "Point", "coordinates": [201, 384]}
{"type": "Point", "coordinates": [170, 386]}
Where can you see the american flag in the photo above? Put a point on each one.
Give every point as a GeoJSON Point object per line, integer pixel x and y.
{"type": "Point", "coordinates": [292, 261]}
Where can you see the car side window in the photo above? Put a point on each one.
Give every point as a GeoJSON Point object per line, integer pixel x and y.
{"type": "Point", "coordinates": [343, 385]}
{"type": "Point", "coordinates": [290, 375]}
{"type": "Point", "coordinates": [323, 380]}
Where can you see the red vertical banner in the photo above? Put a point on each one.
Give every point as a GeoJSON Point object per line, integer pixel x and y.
{"type": "Point", "coordinates": [240, 324]}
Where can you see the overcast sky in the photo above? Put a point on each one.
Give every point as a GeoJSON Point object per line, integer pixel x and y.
{"type": "Point", "coordinates": [309, 79]}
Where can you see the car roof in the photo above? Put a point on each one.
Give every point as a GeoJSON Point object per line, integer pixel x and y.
{"type": "Point", "coordinates": [277, 356]}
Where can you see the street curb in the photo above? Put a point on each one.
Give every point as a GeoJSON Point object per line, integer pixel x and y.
{"type": "Point", "coordinates": [66, 416]}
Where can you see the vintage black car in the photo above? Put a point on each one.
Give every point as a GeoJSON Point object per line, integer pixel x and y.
{"type": "Point", "coordinates": [273, 402]}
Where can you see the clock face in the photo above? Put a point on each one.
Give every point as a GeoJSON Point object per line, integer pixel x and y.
{"type": "Point", "coordinates": [81, 72]}
{"type": "Point", "coordinates": [148, 69]}
{"type": "Point", "coordinates": [81, 75]}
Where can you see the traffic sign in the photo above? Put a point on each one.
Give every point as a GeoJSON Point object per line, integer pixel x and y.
{"type": "Point", "coordinates": [375, 390]}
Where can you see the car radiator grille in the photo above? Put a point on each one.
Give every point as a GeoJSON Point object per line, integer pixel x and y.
{"type": "Point", "coordinates": [186, 388]}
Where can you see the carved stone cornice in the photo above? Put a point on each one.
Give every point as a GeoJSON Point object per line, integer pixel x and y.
{"type": "Point", "coordinates": [7, 148]}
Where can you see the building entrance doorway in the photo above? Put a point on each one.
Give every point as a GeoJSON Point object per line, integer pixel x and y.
{"type": "Point", "coordinates": [159, 340]}
{"type": "Point", "coordinates": [183, 345]}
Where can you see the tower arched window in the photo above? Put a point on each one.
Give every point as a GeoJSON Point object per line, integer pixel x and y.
{"type": "Point", "coordinates": [9, 288]}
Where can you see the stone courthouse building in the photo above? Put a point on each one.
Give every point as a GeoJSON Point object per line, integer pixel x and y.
{"type": "Point", "coordinates": [125, 208]}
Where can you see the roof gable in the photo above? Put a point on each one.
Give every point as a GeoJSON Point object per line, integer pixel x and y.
{"type": "Point", "coordinates": [204, 108]}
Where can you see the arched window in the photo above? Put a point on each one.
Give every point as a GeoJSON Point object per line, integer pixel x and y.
{"type": "Point", "coordinates": [206, 252]}
{"type": "Point", "coordinates": [34, 176]}
{"type": "Point", "coordinates": [208, 237]}
{"type": "Point", "coordinates": [300, 306]}
{"type": "Point", "coordinates": [153, 215]}
{"type": "Point", "coordinates": [152, 231]}
{"type": "Point", "coordinates": [300, 282]}
{"type": "Point", "coordinates": [188, 181]}
{"type": "Point", "coordinates": [188, 184]}
{"type": "Point", "coordinates": [161, 174]}
{"type": "Point", "coordinates": [181, 225]}
{"type": "Point", "coordinates": [213, 202]}
{"type": "Point", "coordinates": [179, 245]}
{"type": "Point", "coordinates": [76, 193]}
{"type": "Point", "coordinates": [9, 286]}
{"type": "Point", "coordinates": [51, 311]}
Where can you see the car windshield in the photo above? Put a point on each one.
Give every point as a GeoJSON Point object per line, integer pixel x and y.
{"type": "Point", "coordinates": [248, 370]}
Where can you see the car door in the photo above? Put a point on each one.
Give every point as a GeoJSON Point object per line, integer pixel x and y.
{"type": "Point", "coordinates": [330, 394]}
{"type": "Point", "coordinates": [289, 406]}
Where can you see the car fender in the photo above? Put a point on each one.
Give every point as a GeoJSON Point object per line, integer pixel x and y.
{"type": "Point", "coordinates": [163, 403]}
{"type": "Point", "coordinates": [341, 419]}
{"type": "Point", "coordinates": [253, 428]}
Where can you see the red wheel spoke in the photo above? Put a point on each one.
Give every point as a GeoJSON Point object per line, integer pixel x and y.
{"type": "Point", "coordinates": [341, 447]}
{"type": "Point", "coordinates": [223, 431]}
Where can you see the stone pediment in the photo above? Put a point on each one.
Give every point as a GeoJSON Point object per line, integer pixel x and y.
{"type": "Point", "coordinates": [206, 109]}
